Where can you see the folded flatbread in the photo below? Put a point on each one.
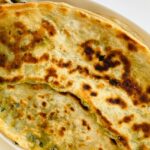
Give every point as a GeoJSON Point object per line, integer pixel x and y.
{"type": "Point", "coordinates": [81, 54]}
{"type": "Point", "coordinates": [37, 117]}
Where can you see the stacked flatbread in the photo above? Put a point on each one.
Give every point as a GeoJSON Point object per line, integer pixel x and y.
{"type": "Point", "coordinates": [71, 80]}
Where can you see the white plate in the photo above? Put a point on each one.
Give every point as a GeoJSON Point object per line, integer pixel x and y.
{"type": "Point", "coordinates": [6, 144]}
{"type": "Point", "coordinates": [136, 10]}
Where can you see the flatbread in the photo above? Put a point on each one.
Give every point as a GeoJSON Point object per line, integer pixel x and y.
{"type": "Point", "coordinates": [77, 52]}
{"type": "Point", "coordinates": [39, 118]}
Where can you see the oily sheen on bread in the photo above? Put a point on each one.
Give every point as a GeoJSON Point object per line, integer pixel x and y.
{"type": "Point", "coordinates": [76, 52]}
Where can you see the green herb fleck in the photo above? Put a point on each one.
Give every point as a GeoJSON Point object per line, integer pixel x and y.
{"type": "Point", "coordinates": [53, 147]}
{"type": "Point", "coordinates": [2, 109]}
{"type": "Point", "coordinates": [17, 105]}
{"type": "Point", "coordinates": [41, 144]}
{"type": "Point", "coordinates": [31, 137]}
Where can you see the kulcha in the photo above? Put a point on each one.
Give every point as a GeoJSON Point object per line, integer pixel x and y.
{"type": "Point", "coordinates": [70, 79]}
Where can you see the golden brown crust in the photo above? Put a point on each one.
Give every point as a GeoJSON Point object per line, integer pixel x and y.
{"type": "Point", "coordinates": [56, 124]}
{"type": "Point", "coordinates": [107, 69]}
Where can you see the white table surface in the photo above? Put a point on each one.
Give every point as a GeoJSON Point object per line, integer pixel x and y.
{"type": "Point", "coordinates": [137, 11]}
